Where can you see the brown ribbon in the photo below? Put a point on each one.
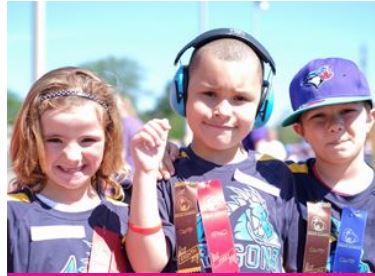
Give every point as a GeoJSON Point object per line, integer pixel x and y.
{"type": "Point", "coordinates": [317, 237]}
{"type": "Point", "coordinates": [185, 218]}
{"type": "Point", "coordinates": [107, 254]}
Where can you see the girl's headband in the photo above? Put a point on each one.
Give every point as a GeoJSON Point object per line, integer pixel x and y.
{"type": "Point", "coordinates": [72, 92]}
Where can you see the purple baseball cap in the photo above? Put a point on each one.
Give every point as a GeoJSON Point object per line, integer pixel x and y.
{"type": "Point", "coordinates": [325, 82]}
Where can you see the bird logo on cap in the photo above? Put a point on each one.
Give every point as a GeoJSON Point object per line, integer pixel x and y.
{"type": "Point", "coordinates": [317, 77]}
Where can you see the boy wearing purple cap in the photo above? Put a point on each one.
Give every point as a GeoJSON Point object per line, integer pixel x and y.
{"type": "Point", "coordinates": [332, 111]}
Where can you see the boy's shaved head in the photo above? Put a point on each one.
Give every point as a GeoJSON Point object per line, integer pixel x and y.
{"type": "Point", "coordinates": [226, 49]}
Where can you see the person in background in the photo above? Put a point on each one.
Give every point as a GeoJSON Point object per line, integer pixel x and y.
{"type": "Point", "coordinates": [131, 124]}
{"type": "Point", "coordinates": [265, 140]}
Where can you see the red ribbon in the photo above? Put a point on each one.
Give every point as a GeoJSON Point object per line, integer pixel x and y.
{"type": "Point", "coordinates": [217, 227]}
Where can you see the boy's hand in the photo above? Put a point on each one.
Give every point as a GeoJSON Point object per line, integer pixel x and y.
{"type": "Point", "coordinates": [148, 145]}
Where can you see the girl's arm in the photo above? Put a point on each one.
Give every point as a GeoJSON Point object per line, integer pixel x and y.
{"type": "Point", "coordinates": [145, 242]}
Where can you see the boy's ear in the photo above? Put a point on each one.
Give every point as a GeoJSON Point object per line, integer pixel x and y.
{"type": "Point", "coordinates": [372, 114]}
{"type": "Point", "coordinates": [371, 119]}
{"type": "Point", "coordinates": [297, 127]}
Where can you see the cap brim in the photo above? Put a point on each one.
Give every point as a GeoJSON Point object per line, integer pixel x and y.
{"type": "Point", "coordinates": [293, 118]}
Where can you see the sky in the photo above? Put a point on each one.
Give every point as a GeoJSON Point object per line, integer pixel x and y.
{"type": "Point", "coordinates": [151, 33]}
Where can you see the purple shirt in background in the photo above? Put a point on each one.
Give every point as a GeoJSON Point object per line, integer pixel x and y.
{"type": "Point", "coordinates": [130, 127]}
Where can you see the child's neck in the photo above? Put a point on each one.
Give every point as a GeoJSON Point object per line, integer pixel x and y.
{"type": "Point", "coordinates": [75, 198]}
{"type": "Point", "coordinates": [346, 178]}
{"type": "Point", "coordinates": [80, 206]}
{"type": "Point", "coordinates": [220, 157]}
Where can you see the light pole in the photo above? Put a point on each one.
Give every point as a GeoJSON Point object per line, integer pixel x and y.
{"type": "Point", "coordinates": [203, 16]}
{"type": "Point", "coordinates": [38, 39]}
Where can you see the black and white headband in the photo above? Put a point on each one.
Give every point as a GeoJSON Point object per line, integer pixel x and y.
{"type": "Point", "coordinates": [72, 92]}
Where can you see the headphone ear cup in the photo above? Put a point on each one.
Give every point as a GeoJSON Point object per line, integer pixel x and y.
{"type": "Point", "coordinates": [265, 110]}
{"type": "Point", "coordinates": [177, 91]}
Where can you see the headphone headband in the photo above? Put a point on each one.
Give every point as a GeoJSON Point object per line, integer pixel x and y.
{"type": "Point", "coordinates": [215, 34]}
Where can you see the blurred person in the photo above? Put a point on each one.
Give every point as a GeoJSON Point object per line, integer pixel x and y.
{"type": "Point", "coordinates": [131, 124]}
{"type": "Point", "coordinates": [266, 141]}
{"type": "Point", "coordinates": [299, 151]}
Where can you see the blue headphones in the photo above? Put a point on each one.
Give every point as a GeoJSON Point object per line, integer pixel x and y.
{"type": "Point", "coordinates": [178, 89]}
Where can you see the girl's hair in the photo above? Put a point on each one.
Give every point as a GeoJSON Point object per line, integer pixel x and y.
{"type": "Point", "coordinates": [27, 148]}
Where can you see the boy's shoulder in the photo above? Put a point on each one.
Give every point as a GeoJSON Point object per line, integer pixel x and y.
{"type": "Point", "coordinates": [184, 154]}
{"type": "Point", "coordinates": [187, 161]}
{"type": "Point", "coordinates": [265, 162]}
{"type": "Point", "coordinates": [274, 171]}
{"type": "Point", "coordinates": [301, 167]}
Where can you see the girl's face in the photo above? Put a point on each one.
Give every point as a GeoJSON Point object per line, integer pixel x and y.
{"type": "Point", "coordinates": [74, 142]}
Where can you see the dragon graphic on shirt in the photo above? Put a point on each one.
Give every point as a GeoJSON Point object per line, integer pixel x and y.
{"type": "Point", "coordinates": [257, 243]}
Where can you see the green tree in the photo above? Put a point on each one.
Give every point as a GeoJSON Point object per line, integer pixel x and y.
{"type": "Point", "coordinates": [14, 103]}
{"type": "Point", "coordinates": [125, 75]}
{"type": "Point", "coordinates": [122, 73]}
{"type": "Point", "coordinates": [288, 136]}
{"type": "Point", "coordinates": [163, 110]}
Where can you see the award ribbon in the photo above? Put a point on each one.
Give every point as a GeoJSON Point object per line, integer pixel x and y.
{"type": "Point", "coordinates": [217, 227]}
{"type": "Point", "coordinates": [350, 241]}
{"type": "Point", "coordinates": [106, 252]}
{"type": "Point", "coordinates": [317, 245]}
{"type": "Point", "coordinates": [185, 218]}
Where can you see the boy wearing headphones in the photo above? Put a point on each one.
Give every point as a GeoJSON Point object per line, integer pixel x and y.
{"type": "Point", "coordinates": [333, 112]}
{"type": "Point", "coordinates": [226, 209]}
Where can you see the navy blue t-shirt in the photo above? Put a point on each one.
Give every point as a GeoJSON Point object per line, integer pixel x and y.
{"type": "Point", "coordinates": [310, 189]}
{"type": "Point", "coordinates": [259, 194]}
{"type": "Point", "coordinates": [42, 239]}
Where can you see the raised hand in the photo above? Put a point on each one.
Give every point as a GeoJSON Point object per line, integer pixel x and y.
{"type": "Point", "coordinates": [148, 145]}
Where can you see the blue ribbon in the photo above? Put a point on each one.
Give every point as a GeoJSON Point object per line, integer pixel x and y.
{"type": "Point", "coordinates": [350, 241]}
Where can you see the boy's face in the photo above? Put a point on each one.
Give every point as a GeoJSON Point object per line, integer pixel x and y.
{"type": "Point", "coordinates": [336, 133]}
{"type": "Point", "coordinates": [223, 96]}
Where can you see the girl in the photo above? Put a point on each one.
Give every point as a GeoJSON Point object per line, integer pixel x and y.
{"type": "Point", "coordinates": [65, 149]}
